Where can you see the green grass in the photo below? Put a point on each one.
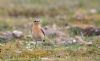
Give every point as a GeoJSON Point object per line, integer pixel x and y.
{"type": "Point", "coordinates": [71, 53]}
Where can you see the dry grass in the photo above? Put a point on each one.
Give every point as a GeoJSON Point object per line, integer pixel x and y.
{"type": "Point", "coordinates": [16, 51]}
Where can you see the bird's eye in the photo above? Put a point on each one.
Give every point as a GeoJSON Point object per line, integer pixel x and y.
{"type": "Point", "coordinates": [36, 21]}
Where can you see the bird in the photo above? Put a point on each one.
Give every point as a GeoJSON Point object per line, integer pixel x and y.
{"type": "Point", "coordinates": [38, 33]}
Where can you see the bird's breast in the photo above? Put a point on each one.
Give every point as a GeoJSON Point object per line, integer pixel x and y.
{"type": "Point", "coordinates": [37, 33]}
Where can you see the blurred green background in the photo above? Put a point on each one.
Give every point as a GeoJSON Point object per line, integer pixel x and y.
{"type": "Point", "coordinates": [60, 12]}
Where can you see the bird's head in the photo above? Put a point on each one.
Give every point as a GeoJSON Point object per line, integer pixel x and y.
{"type": "Point", "coordinates": [36, 21]}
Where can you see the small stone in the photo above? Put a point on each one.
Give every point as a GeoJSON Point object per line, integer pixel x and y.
{"type": "Point", "coordinates": [93, 11]}
{"type": "Point", "coordinates": [74, 41]}
{"type": "Point", "coordinates": [79, 40]}
{"type": "Point", "coordinates": [99, 47]}
{"type": "Point", "coordinates": [17, 33]}
{"type": "Point", "coordinates": [6, 36]}
{"type": "Point", "coordinates": [47, 59]}
{"type": "Point", "coordinates": [89, 43]}
{"type": "Point", "coordinates": [1, 44]}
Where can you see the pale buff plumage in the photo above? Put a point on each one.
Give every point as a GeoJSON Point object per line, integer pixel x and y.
{"type": "Point", "coordinates": [37, 31]}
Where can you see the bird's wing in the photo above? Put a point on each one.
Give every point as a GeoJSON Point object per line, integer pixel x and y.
{"type": "Point", "coordinates": [43, 31]}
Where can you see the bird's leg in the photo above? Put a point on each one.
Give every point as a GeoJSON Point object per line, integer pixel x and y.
{"type": "Point", "coordinates": [44, 40]}
{"type": "Point", "coordinates": [35, 44]}
{"type": "Point", "coordinates": [42, 43]}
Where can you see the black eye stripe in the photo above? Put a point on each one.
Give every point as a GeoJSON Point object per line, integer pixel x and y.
{"type": "Point", "coordinates": [36, 21]}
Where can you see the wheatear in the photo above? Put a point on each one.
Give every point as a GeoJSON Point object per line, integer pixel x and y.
{"type": "Point", "coordinates": [37, 31]}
